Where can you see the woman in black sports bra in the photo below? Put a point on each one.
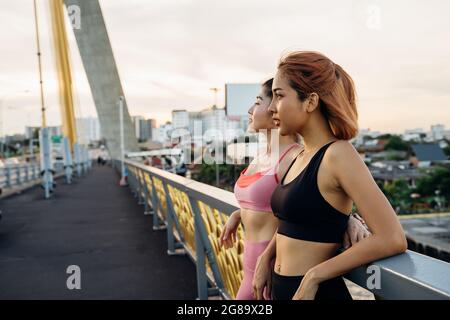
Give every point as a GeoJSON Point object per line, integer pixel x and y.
{"type": "Point", "coordinates": [315, 97]}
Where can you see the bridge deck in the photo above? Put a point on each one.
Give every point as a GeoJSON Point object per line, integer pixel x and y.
{"type": "Point", "coordinates": [96, 225]}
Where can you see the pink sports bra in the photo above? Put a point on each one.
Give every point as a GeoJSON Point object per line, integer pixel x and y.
{"type": "Point", "coordinates": [255, 191]}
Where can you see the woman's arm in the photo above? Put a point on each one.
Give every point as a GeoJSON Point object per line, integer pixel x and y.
{"type": "Point", "coordinates": [387, 239]}
{"type": "Point", "coordinates": [356, 231]}
{"type": "Point", "coordinates": [228, 235]}
{"type": "Point", "coordinates": [262, 277]}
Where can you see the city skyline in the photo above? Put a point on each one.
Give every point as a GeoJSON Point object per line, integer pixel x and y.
{"type": "Point", "coordinates": [159, 124]}
{"type": "Point", "coordinates": [401, 83]}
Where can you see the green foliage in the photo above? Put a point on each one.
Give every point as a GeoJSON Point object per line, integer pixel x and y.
{"type": "Point", "coordinates": [438, 179]}
{"type": "Point", "coordinates": [393, 155]}
{"type": "Point", "coordinates": [447, 150]}
{"type": "Point", "coordinates": [398, 193]}
{"type": "Point", "coordinates": [384, 136]}
{"type": "Point", "coordinates": [228, 174]}
{"type": "Point", "coordinates": [396, 143]}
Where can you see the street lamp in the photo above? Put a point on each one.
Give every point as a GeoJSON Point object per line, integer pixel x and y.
{"type": "Point", "coordinates": [123, 178]}
{"type": "Point", "coordinates": [215, 90]}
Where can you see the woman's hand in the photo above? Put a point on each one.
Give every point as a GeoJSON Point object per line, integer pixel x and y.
{"type": "Point", "coordinates": [262, 278]}
{"type": "Point", "coordinates": [228, 235]}
{"type": "Point", "coordinates": [307, 289]}
{"type": "Point", "coordinates": [356, 231]}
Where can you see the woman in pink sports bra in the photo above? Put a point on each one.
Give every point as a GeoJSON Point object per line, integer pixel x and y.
{"type": "Point", "coordinates": [254, 189]}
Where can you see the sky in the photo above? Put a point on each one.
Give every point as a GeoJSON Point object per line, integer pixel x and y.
{"type": "Point", "coordinates": [170, 53]}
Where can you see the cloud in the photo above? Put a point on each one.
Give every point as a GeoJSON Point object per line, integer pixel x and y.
{"type": "Point", "coordinates": [170, 53]}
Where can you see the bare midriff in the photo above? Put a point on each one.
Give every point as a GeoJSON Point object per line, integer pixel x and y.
{"type": "Point", "coordinates": [259, 226]}
{"type": "Point", "coordinates": [295, 257]}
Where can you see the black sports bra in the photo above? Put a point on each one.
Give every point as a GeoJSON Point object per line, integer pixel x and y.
{"type": "Point", "coordinates": [302, 211]}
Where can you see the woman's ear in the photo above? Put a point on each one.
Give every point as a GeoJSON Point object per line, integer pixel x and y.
{"type": "Point", "coordinates": [312, 102]}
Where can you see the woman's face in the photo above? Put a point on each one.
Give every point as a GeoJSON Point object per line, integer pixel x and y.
{"type": "Point", "coordinates": [288, 112]}
{"type": "Point", "coordinates": [260, 117]}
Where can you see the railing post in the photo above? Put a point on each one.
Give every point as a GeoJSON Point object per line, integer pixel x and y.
{"type": "Point", "coordinates": [85, 160]}
{"type": "Point", "coordinates": [201, 229]}
{"type": "Point", "coordinates": [81, 159]}
{"type": "Point", "coordinates": [8, 176]}
{"type": "Point", "coordinates": [34, 172]}
{"type": "Point", "coordinates": [46, 162]}
{"type": "Point", "coordinates": [202, 280]}
{"type": "Point", "coordinates": [88, 160]}
{"type": "Point", "coordinates": [144, 187]}
{"type": "Point", "coordinates": [3, 178]}
{"type": "Point", "coordinates": [76, 155]}
{"type": "Point", "coordinates": [132, 182]}
{"type": "Point", "coordinates": [147, 209]}
{"type": "Point", "coordinates": [139, 187]}
{"type": "Point", "coordinates": [157, 225]}
{"type": "Point", "coordinates": [68, 164]}
{"type": "Point", "coordinates": [27, 178]}
{"type": "Point", "coordinates": [172, 222]}
{"type": "Point", "coordinates": [18, 178]}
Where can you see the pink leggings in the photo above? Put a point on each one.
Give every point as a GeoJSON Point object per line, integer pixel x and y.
{"type": "Point", "coordinates": [252, 250]}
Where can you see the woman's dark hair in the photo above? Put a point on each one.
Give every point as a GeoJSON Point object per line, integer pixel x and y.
{"type": "Point", "coordinates": [267, 87]}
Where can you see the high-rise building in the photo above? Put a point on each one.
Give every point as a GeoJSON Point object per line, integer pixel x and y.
{"type": "Point", "coordinates": [437, 132]}
{"type": "Point", "coordinates": [196, 119]}
{"type": "Point", "coordinates": [364, 133]}
{"type": "Point", "coordinates": [151, 124]}
{"type": "Point", "coordinates": [88, 130]}
{"type": "Point", "coordinates": [180, 119]}
{"type": "Point", "coordinates": [137, 120]}
{"type": "Point", "coordinates": [214, 123]}
{"type": "Point", "coordinates": [239, 97]}
{"type": "Point", "coordinates": [413, 134]}
{"type": "Point", "coordinates": [143, 128]}
{"type": "Point", "coordinates": [163, 133]}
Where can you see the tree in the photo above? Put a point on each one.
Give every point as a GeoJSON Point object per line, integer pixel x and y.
{"type": "Point", "coordinates": [398, 193]}
{"type": "Point", "coordinates": [438, 179]}
{"type": "Point", "coordinates": [447, 150]}
{"type": "Point", "coordinates": [228, 174]}
{"type": "Point", "coordinates": [384, 136]}
{"type": "Point", "coordinates": [396, 156]}
{"type": "Point", "coordinates": [396, 143]}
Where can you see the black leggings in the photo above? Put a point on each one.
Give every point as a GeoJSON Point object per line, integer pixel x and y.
{"type": "Point", "coordinates": [284, 288]}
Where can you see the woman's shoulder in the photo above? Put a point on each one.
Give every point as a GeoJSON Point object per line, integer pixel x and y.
{"type": "Point", "coordinates": [341, 148]}
{"type": "Point", "coordinates": [342, 152]}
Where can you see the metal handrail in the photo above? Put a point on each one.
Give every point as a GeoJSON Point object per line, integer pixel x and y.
{"type": "Point", "coordinates": [16, 175]}
{"type": "Point", "coordinates": [179, 205]}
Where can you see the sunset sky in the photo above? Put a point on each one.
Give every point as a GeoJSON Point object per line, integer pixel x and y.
{"type": "Point", "coordinates": [170, 53]}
